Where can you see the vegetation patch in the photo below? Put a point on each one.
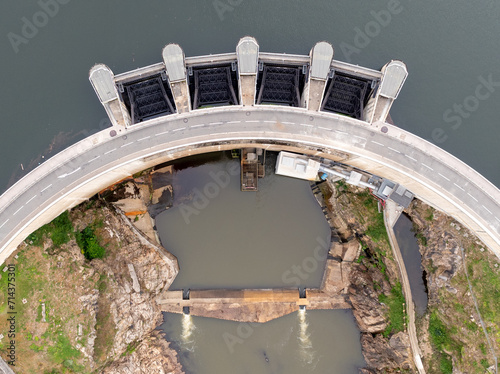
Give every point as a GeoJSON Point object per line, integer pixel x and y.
{"type": "Point", "coordinates": [486, 285]}
{"type": "Point", "coordinates": [89, 243]}
{"type": "Point", "coordinates": [130, 348]}
{"type": "Point", "coordinates": [395, 301]}
{"type": "Point", "coordinates": [105, 331]}
{"type": "Point", "coordinates": [376, 227]}
{"type": "Point", "coordinates": [56, 279]}
{"type": "Point", "coordinates": [60, 230]}
{"type": "Point", "coordinates": [443, 343]}
{"type": "Point", "coordinates": [63, 352]}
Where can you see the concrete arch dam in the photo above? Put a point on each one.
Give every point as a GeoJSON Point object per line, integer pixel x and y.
{"type": "Point", "coordinates": [318, 122]}
{"type": "Point", "coordinates": [87, 167]}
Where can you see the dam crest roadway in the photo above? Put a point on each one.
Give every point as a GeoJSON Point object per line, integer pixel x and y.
{"type": "Point", "coordinates": [186, 106]}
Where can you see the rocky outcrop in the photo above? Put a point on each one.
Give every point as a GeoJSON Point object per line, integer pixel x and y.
{"type": "Point", "coordinates": [134, 273]}
{"type": "Point", "coordinates": [135, 314]}
{"type": "Point", "coordinates": [367, 279]}
{"type": "Point", "coordinates": [383, 356]}
{"type": "Point", "coordinates": [441, 251]}
{"type": "Point", "coordinates": [152, 355]}
{"type": "Point", "coordinates": [368, 311]}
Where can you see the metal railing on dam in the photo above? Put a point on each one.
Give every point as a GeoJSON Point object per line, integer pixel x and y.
{"type": "Point", "coordinates": [367, 142]}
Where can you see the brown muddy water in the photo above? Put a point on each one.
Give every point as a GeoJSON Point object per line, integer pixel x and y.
{"type": "Point", "coordinates": [318, 341]}
{"type": "Point", "coordinates": [225, 238]}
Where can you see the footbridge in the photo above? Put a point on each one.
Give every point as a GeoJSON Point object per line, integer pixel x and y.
{"type": "Point", "coordinates": [312, 104]}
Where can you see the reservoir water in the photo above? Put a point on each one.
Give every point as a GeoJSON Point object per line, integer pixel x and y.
{"type": "Point", "coordinates": [225, 238]}
{"type": "Point", "coordinates": [450, 47]}
{"type": "Point", "coordinates": [317, 341]}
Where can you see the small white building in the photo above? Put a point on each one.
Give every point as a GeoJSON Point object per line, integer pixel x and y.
{"type": "Point", "coordinates": [296, 166]}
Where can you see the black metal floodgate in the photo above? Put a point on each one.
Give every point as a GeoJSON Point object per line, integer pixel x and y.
{"type": "Point", "coordinates": [280, 85]}
{"type": "Point", "coordinates": [148, 98]}
{"type": "Point", "coordinates": [346, 94]}
{"type": "Point", "coordinates": [213, 86]}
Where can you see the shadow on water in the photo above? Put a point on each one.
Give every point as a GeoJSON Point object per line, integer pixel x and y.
{"type": "Point", "coordinates": [408, 244]}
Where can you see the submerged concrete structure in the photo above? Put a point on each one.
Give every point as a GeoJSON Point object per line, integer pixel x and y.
{"type": "Point", "coordinates": [191, 105]}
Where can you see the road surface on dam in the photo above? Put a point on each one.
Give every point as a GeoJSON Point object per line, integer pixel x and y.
{"type": "Point", "coordinates": [85, 168]}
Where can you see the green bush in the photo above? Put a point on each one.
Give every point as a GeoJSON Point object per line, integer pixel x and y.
{"type": "Point", "coordinates": [63, 350]}
{"type": "Point", "coordinates": [421, 238]}
{"type": "Point", "coordinates": [60, 230]}
{"type": "Point", "coordinates": [445, 364]}
{"type": "Point", "coordinates": [89, 244]}
{"type": "Point", "coordinates": [430, 215]}
{"type": "Point", "coordinates": [377, 231]}
{"type": "Point", "coordinates": [482, 347]}
{"type": "Point", "coordinates": [438, 331]}
{"type": "Point", "coordinates": [396, 311]}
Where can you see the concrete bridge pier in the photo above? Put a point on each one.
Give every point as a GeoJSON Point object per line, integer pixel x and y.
{"type": "Point", "coordinates": [247, 53]}
{"type": "Point", "coordinates": [103, 81]}
{"type": "Point", "coordinates": [175, 65]}
{"type": "Point", "coordinates": [394, 74]}
{"type": "Point", "coordinates": [321, 56]}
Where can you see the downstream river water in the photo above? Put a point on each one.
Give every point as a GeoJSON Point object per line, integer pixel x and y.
{"type": "Point", "coordinates": [408, 245]}
{"type": "Point", "coordinates": [318, 341]}
{"type": "Point", "coordinates": [225, 238]}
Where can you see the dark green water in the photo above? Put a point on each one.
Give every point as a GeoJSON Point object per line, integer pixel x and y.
{"type": "Point", "coordinates": [448, 46]}
{"type": "Point", "coordinates": [408, 245]}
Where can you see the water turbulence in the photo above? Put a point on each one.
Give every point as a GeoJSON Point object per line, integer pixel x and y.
{"type": "Point", "coordinates": [188, 327]}
{"type": "Point", "coordinates": [307, 353]}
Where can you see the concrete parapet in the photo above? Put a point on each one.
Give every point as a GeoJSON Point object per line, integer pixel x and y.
{"type": "Point", "coordinates": [103, 81]}
{"type": "Point", "coordinates": [321, 57]}
{"type": "Point", "coordinates": [247, 53]}
{"type": "Point", "coordinates": [175, 66]}
{"type": "Point", "coordinates": [394, 74]}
